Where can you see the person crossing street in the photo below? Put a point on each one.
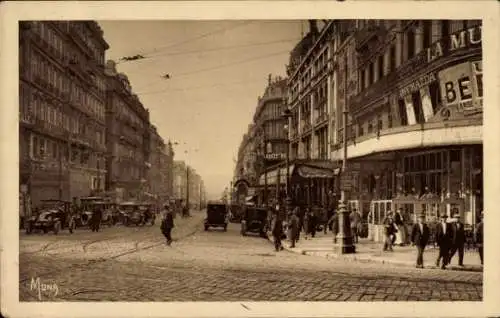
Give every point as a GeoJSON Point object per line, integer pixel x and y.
{"type": "Point", "coordinates": [167, 224]}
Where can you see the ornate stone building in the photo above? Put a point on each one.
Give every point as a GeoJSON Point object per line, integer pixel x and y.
{"type": "Point", "coordinates": [128, 138]}
{"type": "Point", "coordinates": [415, 118]}
{"type": "Point", "coordinates": [61, 109]}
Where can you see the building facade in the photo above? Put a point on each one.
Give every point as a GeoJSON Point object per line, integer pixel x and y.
{"type": "Point", "coordinates": [128, 138]}
{"type": "Point", "coordinates": [188, 183]}
{"type": "Point", "coordinates": [160, 174]}
{"type": "Point", "coordinates": [415, 117]}
{"type": "Point", "coordinates": [62, 94]}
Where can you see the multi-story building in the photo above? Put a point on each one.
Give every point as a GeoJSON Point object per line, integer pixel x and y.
{"type": "Point", "coordinates": [62, 109]}
{"type": "Point", "coordinates": [270, 132]}
{"type": "Point", "coordinates": [188, 183]}
{"type": "Point", "coordinates": [415, 118]}
{"type": "Point", "coordinates": [167, 170]}
{"type": "Point", "coordinates": [311, 94]}
{"type": "Point", "coordinates": [245, 174]}
{"type": "Point", "coordinates": [128, 138]}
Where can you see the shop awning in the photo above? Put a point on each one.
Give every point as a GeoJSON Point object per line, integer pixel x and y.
{"type": "Point", "coordinates": [316, 172]}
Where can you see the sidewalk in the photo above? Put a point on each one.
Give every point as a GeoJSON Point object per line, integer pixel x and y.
{"type": "Point", "coordinates": [368, 251]}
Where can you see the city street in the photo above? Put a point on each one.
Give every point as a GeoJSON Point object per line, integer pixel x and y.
{"type": "Point", "coordinates": [134, 264]}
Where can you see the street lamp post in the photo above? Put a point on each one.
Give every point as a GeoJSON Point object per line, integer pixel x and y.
{"type": "Point", "coordinates": [346, 244]}
{"type": "Point", "coordinates": [287, 114]}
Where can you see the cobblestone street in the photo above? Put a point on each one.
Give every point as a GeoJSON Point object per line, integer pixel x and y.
{"type": "Point", "coordinates": [134, 264]}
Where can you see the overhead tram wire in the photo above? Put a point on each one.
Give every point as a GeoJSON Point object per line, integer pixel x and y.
{"type": "Point", "coordinates": [198, 87]}
{"type": "Point", "coordinates": [227, 65]}
{"type": "Point", "coordinates": [161, 48]}
{"type": "Point", "coordinates": [212, 50]}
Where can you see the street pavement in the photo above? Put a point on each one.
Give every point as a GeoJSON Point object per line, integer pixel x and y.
{"type": "Point", "coordinates": [135, 264]}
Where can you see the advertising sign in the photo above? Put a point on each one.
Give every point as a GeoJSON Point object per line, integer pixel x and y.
{"type": "Point", "coordinates": [462, 87]}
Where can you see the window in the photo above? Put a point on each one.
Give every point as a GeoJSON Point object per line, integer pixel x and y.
{"type": "Point", "coordinates": [410, 43]}
{"type": "Point", "coordinates": [427, 33]}
{"type": "Point", "coordinates": [361, 131]}
{"type": "Point", "coordinates": [435, 96]}
{"type": "Point", "coordinates": [55, 149]}
{"type": "Point", "coordinates": [370, 126]}
{"type": "Point", "coordinates": [402, 112]}
{"type": "Point", "coordinates": [380, 67]}
{"type": "Point", "coordinates": [417, 105]}
{"type": "Point", "coordinates": [392, 58]}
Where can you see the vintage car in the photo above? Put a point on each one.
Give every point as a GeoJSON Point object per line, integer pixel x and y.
{"type": "Point", "coordinates": [135, 213]}
{"type": "Point", "coordinates": [46, 220]}
{"type": "Point", "coordinates": [254, 220]}
{"type": "Point", "coordinates": [217, 215]}
{"type": "Point", "coordinates": [53, 216]}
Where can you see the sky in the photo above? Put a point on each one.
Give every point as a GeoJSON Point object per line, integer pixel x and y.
{"type": "Point", "coordinates": [217, 70]}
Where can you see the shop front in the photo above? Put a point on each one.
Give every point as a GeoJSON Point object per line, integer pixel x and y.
{"type": "Point", "coordinates": [311, 183]}
{"type": "Point", "coordinates": [433, 181]}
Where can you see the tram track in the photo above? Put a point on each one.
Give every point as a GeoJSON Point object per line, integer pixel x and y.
{"type": "Point", "coordinates": [90, 262]}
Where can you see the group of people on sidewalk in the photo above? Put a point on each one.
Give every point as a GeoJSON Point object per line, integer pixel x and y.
{"type": "Point", "coordinates": [450, 237]}
{"type": "Point", "coordinates": [290, 225]}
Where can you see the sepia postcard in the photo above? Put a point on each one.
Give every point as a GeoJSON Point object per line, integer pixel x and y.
{"type": "Point", "coordinates": [244, 159]}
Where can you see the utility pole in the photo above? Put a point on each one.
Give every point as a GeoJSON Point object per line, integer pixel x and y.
{"type": "Point", "coordinates": [187, 186]}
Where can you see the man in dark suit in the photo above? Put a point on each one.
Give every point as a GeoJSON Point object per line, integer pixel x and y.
{"type": "Point", "coordinates": [167, 224]}
{"type": "Point", "coordinates": [444, 237]}
{"type": "Point", "coordinates": [420, 237]}
{"type": "Point", "coordinates": [458, 240]}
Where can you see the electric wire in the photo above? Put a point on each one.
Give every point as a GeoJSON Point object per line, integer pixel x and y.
{"type": "Point", "coordinates": [196, 38]}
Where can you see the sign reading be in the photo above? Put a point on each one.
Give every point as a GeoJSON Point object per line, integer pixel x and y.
{"type": "Point", "coordinates": [462, 86]}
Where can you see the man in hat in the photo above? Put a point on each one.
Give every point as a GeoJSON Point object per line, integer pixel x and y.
{"type": "Point", "coordinates": [478, 237]}
{"type": "Point", "coordinates": [420, 237]}
{"type": "Point", "coordinates": [458, 240]}
{"type": "Point", "coordinates": [167, 223]}
{"type": "Point", "coordinates": [293, 226]}
{"type": "Point", "coordinates": [444, 237]}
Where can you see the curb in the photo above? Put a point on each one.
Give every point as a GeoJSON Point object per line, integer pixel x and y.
{"type": "Point", "coordinates": [369, 259]}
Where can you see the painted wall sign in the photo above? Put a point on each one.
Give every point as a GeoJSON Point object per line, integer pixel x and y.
{"type": "Point", "coordinates": [462, 87]}
{"type": "Point", "coordinates": [415, 86]}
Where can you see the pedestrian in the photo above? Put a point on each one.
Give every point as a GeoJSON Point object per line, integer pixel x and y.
{"type": "Point", "coordinates": [458, 240]}
{"type": "Point", "coordinates": [389, 232]}
{"type": "Point", "coordinates": [443, 240]}
{"type": "Point", "coordinates": [95, 220]}
{"type": "Point", "coordinates": [355, 219]}
{"type": "Point", "coordinates": [167, 224]}
{"type": "Point", "coordinates": [313, 223]}
{"type": "Point", "coordinates": [478, 237]}
{"type": "Point", "coordinates": [277, 231]}
{"type": "Point", "coordinates": [420, 238]}
{"type": "Point", "coordinates": [334, 225]}
{"type": "Point", "coordinates": [325, 216]}
{"type": "Point", "coordinates": [293, 226]}
{"type": "Point", "coordinates": [401, 234]}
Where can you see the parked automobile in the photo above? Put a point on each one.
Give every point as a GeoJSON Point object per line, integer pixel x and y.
{"type": "Point", "coordinates": [217, 215]}
{"type": "Point", "coordinates": [132, 214]}
{"type": "Point", "coordinates": [46, 221]}
{"type": "Point", "coordinates": [254, 220]}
